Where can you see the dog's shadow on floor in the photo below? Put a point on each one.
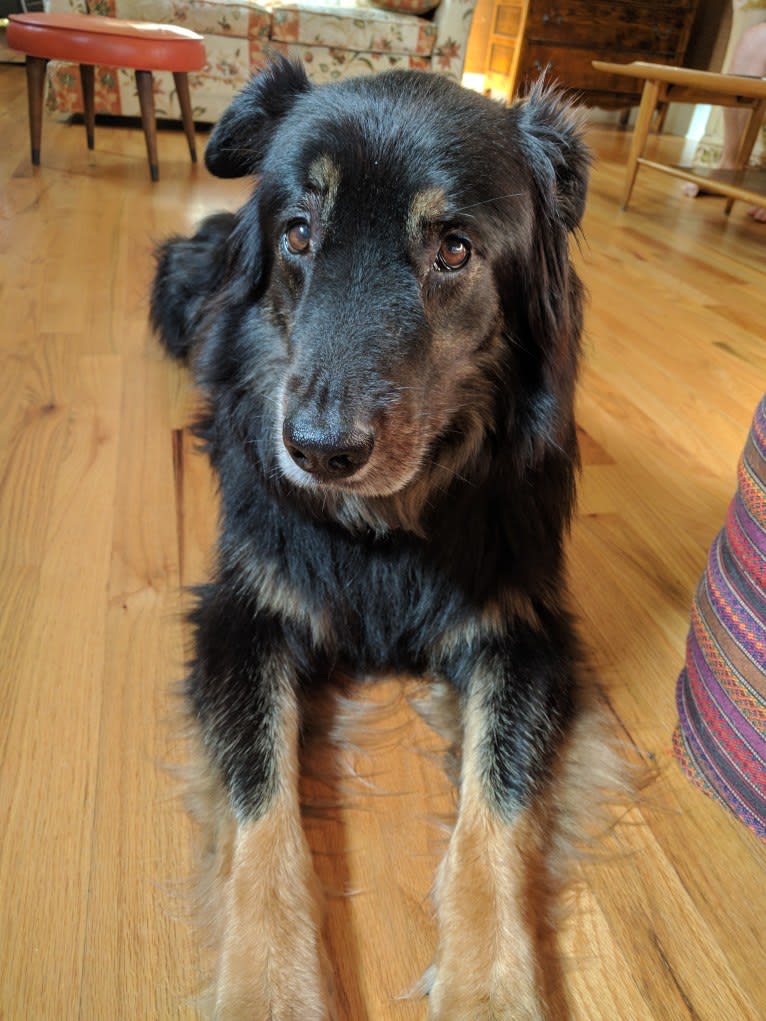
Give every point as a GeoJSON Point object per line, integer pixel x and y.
{"type": "Point", "coordinates": [323, 800]}
{"type": "Point", "coordinates": [327, 837]}
{"type": "Point", "coordinates": [354, 733]}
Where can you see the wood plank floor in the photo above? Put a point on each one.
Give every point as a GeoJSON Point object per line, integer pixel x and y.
{"type": "Point", "coordinates": [106, 512]}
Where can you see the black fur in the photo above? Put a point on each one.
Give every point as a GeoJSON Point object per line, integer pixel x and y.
{"type": "Point", "coordinates": [455, 389]}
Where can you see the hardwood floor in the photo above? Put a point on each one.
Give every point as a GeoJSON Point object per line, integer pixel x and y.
{"type": "Point", "coordinates": [106, 512]}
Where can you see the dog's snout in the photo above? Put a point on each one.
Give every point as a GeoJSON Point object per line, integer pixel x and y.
{"type": "Point", "coordinates": [328, 455]}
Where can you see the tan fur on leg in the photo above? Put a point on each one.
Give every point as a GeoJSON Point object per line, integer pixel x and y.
{"type": "Point", "coordinates": [486, 962]}
{"type": "Point", "coordinates": [485, 966]}
{"type": "Point", "coordinates": [262, 903]}
{"type": "Point", "coordinates": [499, 885]}
{"type": "Point", "coordinates": [272, 965]}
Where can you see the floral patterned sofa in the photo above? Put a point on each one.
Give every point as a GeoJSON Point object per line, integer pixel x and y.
{"type": "Point", "coordinates": [334, 39]}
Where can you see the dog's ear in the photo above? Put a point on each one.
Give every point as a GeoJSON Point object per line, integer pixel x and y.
{"type": "Point", "coordinates": [189, 271]}
{"type": "Point", "coordinates": [542, 295]}
{"type": "Point", "coordinates": [559, 159]}
{"type": "Point", "coordinates": [241, 137]}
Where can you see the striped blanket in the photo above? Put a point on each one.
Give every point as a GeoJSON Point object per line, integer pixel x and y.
{"type": "Point", "coordinates": [720, 740]}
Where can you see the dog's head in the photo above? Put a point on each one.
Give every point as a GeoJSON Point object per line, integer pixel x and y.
{"type": "Point", "coordinates": [406, 251]}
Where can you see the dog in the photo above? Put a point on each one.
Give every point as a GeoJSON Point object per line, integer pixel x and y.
{"type": "Point", "coordinates": [387, 339]}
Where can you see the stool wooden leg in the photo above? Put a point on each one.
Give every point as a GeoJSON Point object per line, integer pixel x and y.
{"type": "Point", "coordinates": [145, 86]}
{"type": "Point", "coordinates": [87, 79]}
{"type": "Point", "coordinates": [184, 101]}
{"type": "Point", "coordinates": [640, 132]}
{"type": "Point", "coordinates": [35, 86]}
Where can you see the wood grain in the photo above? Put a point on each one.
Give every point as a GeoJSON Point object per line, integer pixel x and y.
{"type": "Point", "coordinates": [106, 511]}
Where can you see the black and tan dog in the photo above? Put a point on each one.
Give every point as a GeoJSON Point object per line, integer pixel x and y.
{"type": "Point", "coordinates": [387, 337]}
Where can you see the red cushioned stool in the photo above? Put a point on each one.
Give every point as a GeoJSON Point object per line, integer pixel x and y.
{"type": "Point", "coordinates": [89, 40]}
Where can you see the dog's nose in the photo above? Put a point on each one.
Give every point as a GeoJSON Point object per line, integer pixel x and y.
{"type": "Point", "coordinates": [327, 455]}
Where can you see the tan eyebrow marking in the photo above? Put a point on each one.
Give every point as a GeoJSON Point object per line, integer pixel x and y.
{"type": "Point", "coordinates": [426, 205]}
{"type": "Point", "coordinates": [324, 175]}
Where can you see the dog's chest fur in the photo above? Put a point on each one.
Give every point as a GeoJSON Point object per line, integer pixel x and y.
{"type": "Point", "coordinates": [370, 602]}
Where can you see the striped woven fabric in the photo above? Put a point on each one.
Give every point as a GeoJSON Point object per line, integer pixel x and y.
{"type": "Point", "coordinates": [720, 740]}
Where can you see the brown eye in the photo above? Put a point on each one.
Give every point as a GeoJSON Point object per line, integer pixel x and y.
{"type": "Point", "coordinates": [454, 252]}
{"type": "Point", "coordinates": [298, 237]}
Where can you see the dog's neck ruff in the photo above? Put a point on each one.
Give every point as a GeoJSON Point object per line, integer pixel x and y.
{"type": "Point", "coordinates": [408, 509]}
{"type": "Point", "coordinates": [380, 515]}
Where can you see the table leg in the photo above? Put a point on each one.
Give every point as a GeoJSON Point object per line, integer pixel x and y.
{"type": "Point", "coordinates": [640, 132]}
{"type": "Point", "coordinates": [749, 137]}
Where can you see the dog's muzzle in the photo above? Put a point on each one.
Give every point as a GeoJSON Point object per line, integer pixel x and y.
{"type": "Point", "coordinates": [328, 456]}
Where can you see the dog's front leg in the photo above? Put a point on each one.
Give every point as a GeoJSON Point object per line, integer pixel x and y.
{"type": "Point", "coordinates": [271, 963]}
{"type": "Point", "coordinates": [492, 884]}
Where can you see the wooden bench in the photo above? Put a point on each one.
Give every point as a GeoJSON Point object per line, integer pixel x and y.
{"type": "Point", "coordinates": [664, 84]}
{"type": "Point", "coordinates": [90, 40]}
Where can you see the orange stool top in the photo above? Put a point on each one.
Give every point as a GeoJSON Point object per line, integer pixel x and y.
{"type": "Point", "coordinates": [112, 42]}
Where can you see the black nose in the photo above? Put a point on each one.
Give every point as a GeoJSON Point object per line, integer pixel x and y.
{"type": "Point", "coordinates": [326, 455]}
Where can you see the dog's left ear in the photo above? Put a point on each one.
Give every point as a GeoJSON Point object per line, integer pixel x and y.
{"type": "Point", "coordinates": [241, 137]}
{"type": "Point", "coordinates": [559, 159]}
{"type": "Point", "coordinates": [542, 295]}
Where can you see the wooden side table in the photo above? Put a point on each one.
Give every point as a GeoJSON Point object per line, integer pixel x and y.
{"type": "Point", "coordinates": [664, 84]}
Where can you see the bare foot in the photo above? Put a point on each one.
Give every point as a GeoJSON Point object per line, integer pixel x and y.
{"type": "Point", "coordinates": [690, 190]}
{"type": "Point", "coordinates": [694, 191]}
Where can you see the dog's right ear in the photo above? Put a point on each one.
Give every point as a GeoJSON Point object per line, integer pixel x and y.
{"type": "Point", "coordinates": [241, 137]}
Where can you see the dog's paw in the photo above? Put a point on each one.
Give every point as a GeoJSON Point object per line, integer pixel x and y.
{"type": "Point", "coordinates": [449, 1001]}
{"type": "Point", "coordinates": [285, 1000]}
{"type": "Point", "coordinates": [259, 984]}
{"type": "Point", "coordinates": [264, 1011]}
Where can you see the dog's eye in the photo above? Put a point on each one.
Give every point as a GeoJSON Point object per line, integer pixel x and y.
{"type": "Point", "coordinates": [298, 237]}
{"type": "Point", "coordinates": [453, 254]}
